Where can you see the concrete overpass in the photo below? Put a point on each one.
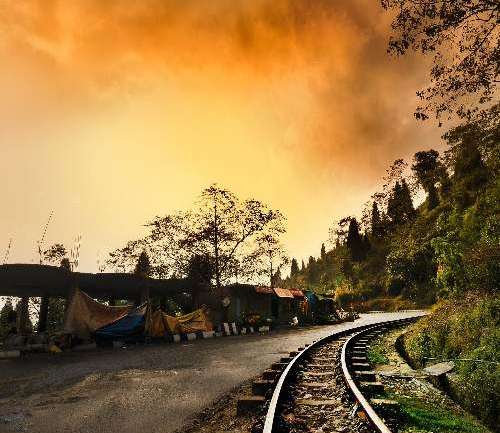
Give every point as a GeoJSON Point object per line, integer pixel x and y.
{"type": "Point", "coordinates": [30, 280]}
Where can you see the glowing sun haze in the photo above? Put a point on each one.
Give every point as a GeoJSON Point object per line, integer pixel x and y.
{"type": "Point", "coordinates": [115, 111]}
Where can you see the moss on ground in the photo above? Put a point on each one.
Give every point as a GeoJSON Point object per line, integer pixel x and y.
{"type": "Point", "coordinates": [421, 416]}
{"type": "Point", "coordinates": [377, 355]}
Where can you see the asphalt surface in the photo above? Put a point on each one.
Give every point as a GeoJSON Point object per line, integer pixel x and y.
{"type": "Point", "coordinates": [157, 388]}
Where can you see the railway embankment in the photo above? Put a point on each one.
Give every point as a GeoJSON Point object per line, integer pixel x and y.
{"type": "Point", "coordinates": [465, 333]}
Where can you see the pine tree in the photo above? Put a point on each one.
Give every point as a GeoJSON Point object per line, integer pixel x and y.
{"type": "Point", "coordinates": [303, 267]}
{"type": "Point", "coordinates": [143, 265]}
{"type": "Point", "coordinates": [400, 205]}
{"type": "Point", "coordinates": [354, 242]}
{"type": "Point", "coordinates": [376, 221]}
{"type": "Point", "coordinates": [294, 268]}
{"type": "Point", "coordinates": [277, 280]}
{"type": "Point", "coordinates": [323, 251]}
{"type": "Point", "coordinates": [312, 270]}
{"type": "Point", "coordinates": [407, 202]}
{"type": "Point", "coordinates": [5, 317]}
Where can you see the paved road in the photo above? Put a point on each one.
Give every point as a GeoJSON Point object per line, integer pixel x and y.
{"type": "Point", "coordinates": [140, 389]}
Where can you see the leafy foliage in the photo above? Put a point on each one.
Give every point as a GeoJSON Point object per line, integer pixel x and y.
{"type": "Point", "coordinates": [463, 38]}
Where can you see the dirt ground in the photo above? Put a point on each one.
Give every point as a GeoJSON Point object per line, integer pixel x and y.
{"type": "Point", "coordinates": [221, 416]}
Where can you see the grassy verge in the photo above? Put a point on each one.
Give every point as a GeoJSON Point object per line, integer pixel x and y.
{"type": "Point", "coordinates": [420, 416]}
{"type": "Point", "coordinates": [466, 328]}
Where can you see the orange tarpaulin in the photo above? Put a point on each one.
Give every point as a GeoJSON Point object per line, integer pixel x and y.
{"type": "Point", "coordinates": [85, 315]}
{"type": "Point", "coordinates": [162, 323]}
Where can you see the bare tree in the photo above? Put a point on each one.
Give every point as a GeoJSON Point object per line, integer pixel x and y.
{"type": "Point", "coordinates": [222, 228]}
{"type": "Point", "coordinates": [268, 257]}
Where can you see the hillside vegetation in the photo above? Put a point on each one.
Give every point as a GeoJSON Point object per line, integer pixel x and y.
{"type": "Point", "coordinates": [466, 330]}
{"type": "Point", "coordinates": [399, 255]}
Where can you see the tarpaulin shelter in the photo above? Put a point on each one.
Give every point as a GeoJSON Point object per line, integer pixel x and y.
{"type": "Point", "coordinates": [132, 325]}
{"type": "Point", "coordinates": [85, 315]}
{"type": "Point", "coordinates": [162, 323]}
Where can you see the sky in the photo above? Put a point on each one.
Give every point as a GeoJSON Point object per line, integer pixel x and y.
{"type": "Point", "coordinates": [113, 112]}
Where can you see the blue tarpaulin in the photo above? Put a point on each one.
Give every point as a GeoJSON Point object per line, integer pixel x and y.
{"type": "Point", "coordinates": [129, 326]}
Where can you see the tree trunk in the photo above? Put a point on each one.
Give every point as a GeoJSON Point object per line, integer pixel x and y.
{"type": "Point", "coordinates": [216, 251]}
{"type": "Point", "coordinates": [271, 268]}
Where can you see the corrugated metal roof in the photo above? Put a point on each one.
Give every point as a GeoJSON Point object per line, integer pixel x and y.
{"type": "Point", "coordinates": [297, 293]}
{"type": "Point", "coordinates": [283, 293]}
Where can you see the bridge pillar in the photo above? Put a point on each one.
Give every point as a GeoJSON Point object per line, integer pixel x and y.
{"type": "Point", "coordinates": [44, 312]}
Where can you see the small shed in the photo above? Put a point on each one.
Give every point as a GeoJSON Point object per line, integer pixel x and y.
{"type": "Point", "coordinates": [276, 303]}
{"type": "Point", "coordinates": [247, 300]}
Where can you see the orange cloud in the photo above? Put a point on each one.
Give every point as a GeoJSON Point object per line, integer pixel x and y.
{"type": "Point", "coordinates": [119, 110]}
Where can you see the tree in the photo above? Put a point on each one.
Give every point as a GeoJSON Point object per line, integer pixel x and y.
{"type": "Point", "coordinates": [221, 227]}
{"type": "Point", "coordinates": [143, 266]}
{"type": "Point", "coordinates": [400, 206]}
{"type": "Point", "coordinates": [277, 281]}
{"type": "Point", "coordinates": [463, 37]}
{"type": "Point", "coordinates": [294, 268]}
{"type": "Point", "coordinates": [342, 230]}
{"type": "Point", "coordinates": [54, 254]}
{"type": "Point", "coordinates": [376, 221]}
{"type": "Point", "coordinates": [429, 170]}
{"type": "Point", "coordinates": [354, 241]}
{"type": "Point", "coordinates": [312, 270]}
{"type": "Point", "coordinates": [323, 251]}
{"type": "Point", "coordinates": [125, 259]}
{"type": "Point", "coordinates": [483, 133]}
{"type": "Point", "coordinates": [426, 165]}
{"type": "Point", "coordinates": [199, 275]}
{"type": "Point", "coordinates": [269, 257]}
{"type": "Point", "coordinates": [6, 315]}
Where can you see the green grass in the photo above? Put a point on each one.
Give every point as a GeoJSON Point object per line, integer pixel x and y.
{"type": "Point", "coordinates": [376, 355]}
{"type": "Point", "coordinates": [424, 417]}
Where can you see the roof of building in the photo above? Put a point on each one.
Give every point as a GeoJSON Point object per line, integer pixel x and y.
{"type": "Point", "coordinates": [283, 293]}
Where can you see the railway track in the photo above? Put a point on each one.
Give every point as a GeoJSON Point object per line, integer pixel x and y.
{"type": "Point", "coordinates": [327, 387]}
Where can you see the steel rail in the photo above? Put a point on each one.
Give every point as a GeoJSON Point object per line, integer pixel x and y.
{"type": "Point", "coordinates": [372, 415]}
{"type": "Point", "coordinates": [273, 404]}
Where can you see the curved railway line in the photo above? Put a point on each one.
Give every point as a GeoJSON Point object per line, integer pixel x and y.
{"type": "Point", "coordinates": [326, 384]}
